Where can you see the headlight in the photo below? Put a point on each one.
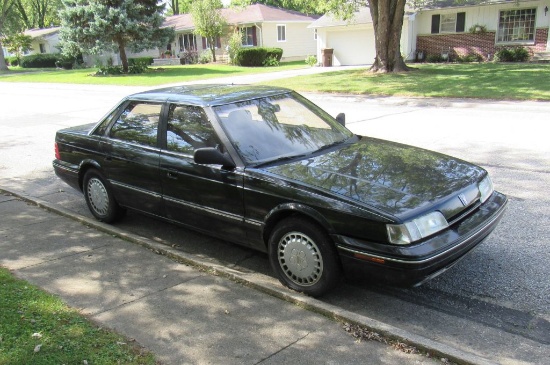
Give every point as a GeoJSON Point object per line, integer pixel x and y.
{"type": "Point", "coordinates": [403, 234]}
{"type": "Point", "coordinates": [485, 189]}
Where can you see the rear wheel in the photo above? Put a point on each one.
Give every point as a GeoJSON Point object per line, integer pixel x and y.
{"type": "Point", "coordinates": [303, 256]}
{"type": "Point", "coordinates": [99, 197]}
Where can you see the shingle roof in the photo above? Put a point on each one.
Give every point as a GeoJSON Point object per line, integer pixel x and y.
{"type": "Point", "coordinates": [36, 33]}
{"type": "Point", "coordinates": [362, 16]}
{"type": "Point", "coordinates": [256, 13]}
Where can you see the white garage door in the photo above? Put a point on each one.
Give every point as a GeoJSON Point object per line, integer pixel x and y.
{"type": "Point", "coordinates": [352, 47]}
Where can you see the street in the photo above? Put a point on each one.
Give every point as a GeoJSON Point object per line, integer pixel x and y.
{"type": "Point", "coordinates": [494, 303]}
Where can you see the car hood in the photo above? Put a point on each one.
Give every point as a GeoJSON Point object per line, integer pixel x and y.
{"type": "Point", "coordinates": [397, 179]}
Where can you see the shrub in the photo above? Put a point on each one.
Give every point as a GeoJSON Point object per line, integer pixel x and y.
{"type": "Point", "coordinates": [256, 56]}
{"type": "Point", "coordinates": [141, 60]}
{"type": "Point", "coordinates": [189, 57]}
{"type": "Point", "coordinates": [270, 61]}
{"type": "Point", "coordinates": [434, 58]}
{"type": "Point", "coordinates": [516, 54]}
{"type": "Point", "coordinates": [205, 56]}
{"type": "Point", "coordinates": [109, 70]}
{"type": "Point", "coordinates": [45, 60]}
{"type": "Point", "coordinates": [470, 57]}
{"type": "Point", "coordinates": [276, 53]}
{"type": "Point", "coordinates": [12, 61]}
{"type": "Point", "coordinates": [311, 60]}
{"type": "Point", "coordinates": [138, 66]}
{"type": "Point", "coordinates": [234, 45]}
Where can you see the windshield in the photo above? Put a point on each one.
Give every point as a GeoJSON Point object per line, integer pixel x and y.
{"type": "Point", "coordinates": [277, 127]}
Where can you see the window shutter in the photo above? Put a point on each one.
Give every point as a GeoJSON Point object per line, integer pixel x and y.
{"type": "Point", "coordinates": [460, 22]}
{"type": "Point", "coordinates": [203, 43]}
{"type": "Point", "coordinates": [218, 42]}
{"type": "Point", "coordinates": [254, 39]}
{"type": "Point", "coordinates": [435, 23]}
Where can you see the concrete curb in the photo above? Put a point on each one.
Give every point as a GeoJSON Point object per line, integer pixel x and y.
{"type": "Point", "coordinates": [434, 348]}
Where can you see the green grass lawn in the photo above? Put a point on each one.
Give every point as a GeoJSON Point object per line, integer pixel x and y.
{"type": "Point", "coordinates": [485, 81]}
{"type": "Point", "coordinates": [37, 328]}
{"type": "Point", "coordinates": [501, 81]}
{"type": "Point", "coordinates": [155, 75]}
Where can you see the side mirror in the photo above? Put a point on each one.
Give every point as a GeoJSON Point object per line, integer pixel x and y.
{"type": "Point", "coordinates": [212, 156]}
{"type": "Point", "coordinates": [341, 118]}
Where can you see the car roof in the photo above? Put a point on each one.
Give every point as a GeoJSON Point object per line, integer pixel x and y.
{"type": "Point", "coordinates": [209, 94]}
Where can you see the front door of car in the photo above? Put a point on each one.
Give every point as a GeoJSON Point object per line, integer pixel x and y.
{"type": "Point", "coordinates": [131, 153]}
{"type": "Point", "coordinates": [207, 197]}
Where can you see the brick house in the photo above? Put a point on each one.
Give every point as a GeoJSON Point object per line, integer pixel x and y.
{"type": "Point", "coordinates": [443, 28]}
{"type": "Point", "coordinates": [482, 28]}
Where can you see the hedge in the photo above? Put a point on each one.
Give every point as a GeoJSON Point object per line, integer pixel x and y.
{"type": "Point", "coordinates": [40, 60]}
{"type": "Point", "coordinates": [255, 56]}
{"type": "Point", "coordinates": [12, 61]}
{"type": "Point", "coordinates": [140, 60]}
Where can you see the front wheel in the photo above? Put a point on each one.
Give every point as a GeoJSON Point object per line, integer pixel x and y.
{"type": "Point", "coordinates": [99, 198]}
{"type": "Point", "coordinates": [303, 257]}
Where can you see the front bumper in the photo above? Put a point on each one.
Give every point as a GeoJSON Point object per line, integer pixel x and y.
{"type": "Point", "coordinates": [413, 264]}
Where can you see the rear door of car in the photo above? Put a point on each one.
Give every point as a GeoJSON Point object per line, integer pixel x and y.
{"type": "Point", "coordinates": [132, 156]}
{"type": "Point", "coordinates": [207, 197]}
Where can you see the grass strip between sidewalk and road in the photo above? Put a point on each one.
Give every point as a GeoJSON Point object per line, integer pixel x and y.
{"type": "Point", "coordinates": [498, 81]}
{"type": "Point", "coordinates": [37, 328]}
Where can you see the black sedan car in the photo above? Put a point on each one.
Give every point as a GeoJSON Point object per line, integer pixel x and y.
{"type": "Point", "coordinates": [266, 168]}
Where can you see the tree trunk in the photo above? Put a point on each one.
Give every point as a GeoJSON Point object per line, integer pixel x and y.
{"type": "Point", "coordinates": [387, 18]}
{"type": "Point", "coordinates": [212, 46]}
{"type": "Point", "coordinates": [3, 66]}
{"type": "Point", "coordinates": [123, 57]}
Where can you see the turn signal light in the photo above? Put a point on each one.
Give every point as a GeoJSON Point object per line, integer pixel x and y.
{"type": "Point", "coordinates": [369, 258]}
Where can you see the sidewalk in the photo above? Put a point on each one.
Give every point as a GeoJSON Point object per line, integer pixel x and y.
{"type": "Point", "coordinates": [183, 308]}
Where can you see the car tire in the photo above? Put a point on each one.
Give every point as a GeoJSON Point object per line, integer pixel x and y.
{"type": "Point", "coordinates": [303, 257]}
{"type": "Point", "coordinates": [100, 199]}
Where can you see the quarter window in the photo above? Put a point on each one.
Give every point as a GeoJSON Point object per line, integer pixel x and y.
{"type": "Point", "coordinates": [188, 129]}
{"type": "Point", "coordinates": [138, 123]}
{"type": "Point", "coordinates": [281, 33]}
{"type": "Point", "coordinates": [516, 25]}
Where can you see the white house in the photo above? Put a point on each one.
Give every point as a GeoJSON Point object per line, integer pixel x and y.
{"type": "Point", "coordinates": [261, 25]}
{"type": "Point", "coordinates": [43, 40]}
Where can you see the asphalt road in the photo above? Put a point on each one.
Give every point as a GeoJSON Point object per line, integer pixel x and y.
{"type": "Point", "coordinates": [494, 303]}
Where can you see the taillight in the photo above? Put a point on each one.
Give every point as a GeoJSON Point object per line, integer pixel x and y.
{"type": "Point", "coordinates": [57, 155]}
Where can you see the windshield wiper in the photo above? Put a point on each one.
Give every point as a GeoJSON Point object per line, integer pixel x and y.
{"type": "Point", "coordinates": [280, 159]}
{"type": "Point", "coordinates": [330, 145]}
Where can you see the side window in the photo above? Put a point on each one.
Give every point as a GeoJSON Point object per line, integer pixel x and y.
{"type": "Point", "coordinates": [188, 128]}
{"type": "Point", "coordinates": [138, 123]}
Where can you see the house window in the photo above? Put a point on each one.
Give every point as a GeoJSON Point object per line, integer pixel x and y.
{"type": "Point", "coordinates": [205, 43]}
{"type": "Point", "coordinates": [448, 23]}
{"type": "Point", "coordinates": [516, 25]}
{"type": "Point", "coordinates": [281, 33]}
{"type": "Point", "coordinates": [249, 36]}
{"type": "Point", "coordinates": [42, 48]}
{"type": "Point", "coordinates": [187, 42]}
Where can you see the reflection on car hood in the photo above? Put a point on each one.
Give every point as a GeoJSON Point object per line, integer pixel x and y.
{"type": "Point", "coordinates": [391, 177]}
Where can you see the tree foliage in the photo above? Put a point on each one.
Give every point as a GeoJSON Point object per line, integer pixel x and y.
{"type": "Point", "coordinates": [303, 6]}
{"type": "Point", "coordinates": [95, 26]}
{"type": "Point", "coordinates": [208, 21]}
{"type": "Point", "coordinates": [38, 13]}
{"type": "Point", "coordinates": [18, 44]}
{"type": "Point", "coordinates": [6, 19]}
{"type": "Point", "coordinates": [176, 7]}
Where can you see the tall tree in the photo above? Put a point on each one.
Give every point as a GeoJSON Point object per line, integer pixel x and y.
{"type": "Point", "coordinates": [38, 13]}
{"type": "Point", "coordinates": [208, 21]}
{"type": "Point", "coordinates": [387, 18]}
{"type": "Point", "coordinates": [179, 7]}
{"type": "Point", "coordinates": [95, 26]}
{"type": "Point", "coordinates": [6, 16]}
{"type": "Point", "coordinates": [303, 6]}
